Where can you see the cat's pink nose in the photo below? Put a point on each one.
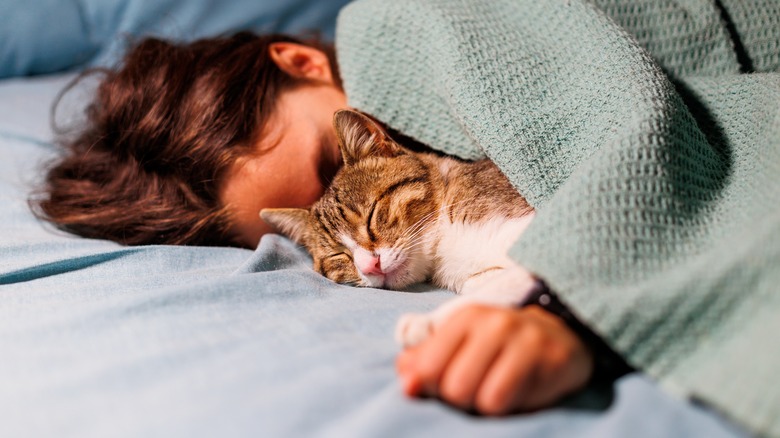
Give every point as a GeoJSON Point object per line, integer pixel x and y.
{"type": "Point", "coordinates": [370, 265]}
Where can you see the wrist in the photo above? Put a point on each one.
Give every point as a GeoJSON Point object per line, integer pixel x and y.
{"type": "Point", "coordinates": [607, 364]}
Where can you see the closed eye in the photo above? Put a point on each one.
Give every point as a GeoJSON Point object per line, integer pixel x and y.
{"type": "Point", "coordinates": [387, 193]}
{"type": "Point", "coordinates": [338, 254]}
{"type": "Point", "coordinates": [371, 235]}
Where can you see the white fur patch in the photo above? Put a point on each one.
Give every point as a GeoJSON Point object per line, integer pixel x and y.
{"type": "Point", "coordinates": [465, 249]}
{"type": "Point", "coordinates": [473, 262]}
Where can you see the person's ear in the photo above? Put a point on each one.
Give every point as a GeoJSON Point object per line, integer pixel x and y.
{"type": "Point", "coordinates": [301, 61]}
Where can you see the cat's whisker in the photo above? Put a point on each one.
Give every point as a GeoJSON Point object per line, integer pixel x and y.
{"type": "Point", "coordinates": [420, 224]}
{"type": "Point", "coordinates": [415, 234]}
{"type": "Point", "coordinates": [409, 244]}
{"type": "Point", "coordinates": [409, 249]}
{"type": "Point", "coordinates": [446, 207]}
{"type": "Point", "coordinates": [412, 243]}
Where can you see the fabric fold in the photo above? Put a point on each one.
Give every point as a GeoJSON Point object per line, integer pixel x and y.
{"type": "Point", "coordinates": [654, 165]}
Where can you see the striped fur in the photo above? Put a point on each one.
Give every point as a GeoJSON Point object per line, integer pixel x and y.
{"type": "Point", "coordinates": [393, 217]}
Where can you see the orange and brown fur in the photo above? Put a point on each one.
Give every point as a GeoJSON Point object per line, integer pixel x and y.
{"type": "Point", "coordinates": [393, 217]}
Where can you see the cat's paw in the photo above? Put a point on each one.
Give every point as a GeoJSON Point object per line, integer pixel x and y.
{"type": "Point", "coordinates": [413, 328]}
{"type": "Point", "coordinates": [339, 269]}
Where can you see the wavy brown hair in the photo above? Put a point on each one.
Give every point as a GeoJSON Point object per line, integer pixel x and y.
{"type": "Point", "coordinates": [158, 137]}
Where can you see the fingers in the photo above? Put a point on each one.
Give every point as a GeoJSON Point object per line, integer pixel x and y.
{"type": "Point", "coordinates": [543, 362]}
{"type": "Point", "coordinates": [453, 362]}
{"type": "Point", "coordinates": [421, 367]}
{"type": "Point", "coordinates": [509, 384]}
{"type": "Point", "coordinates": [497, 360]}
{"type": "Point", "coordinates": [463, 375]}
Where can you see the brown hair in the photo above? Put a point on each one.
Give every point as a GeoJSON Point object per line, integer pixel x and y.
{"type": "Point", "coordinates": [159, 135]}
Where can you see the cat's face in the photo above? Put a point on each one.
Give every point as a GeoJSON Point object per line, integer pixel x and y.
{"type": "Point", "coordinates": [369, 228]}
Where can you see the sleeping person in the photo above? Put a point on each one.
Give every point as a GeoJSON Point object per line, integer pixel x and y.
{"type": "Point", "coordinates": [185, 143]}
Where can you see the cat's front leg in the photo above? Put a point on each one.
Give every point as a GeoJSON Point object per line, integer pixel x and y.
{"type": "Point", "coordinates": [413, 328]}
{"type": "Point", "coordinates": [505, 287]}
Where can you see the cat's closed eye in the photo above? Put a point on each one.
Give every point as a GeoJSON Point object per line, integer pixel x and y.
{"type": "Point", "coordinates": [344, 253]}
{"type": "Point", "coordinates": [376, 216]}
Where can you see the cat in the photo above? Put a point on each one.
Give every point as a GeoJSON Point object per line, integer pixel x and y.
{"type": "Point", "coordinates": [393, 217]}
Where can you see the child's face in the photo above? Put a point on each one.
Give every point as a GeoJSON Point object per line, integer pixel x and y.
{"type": "Point", "coordinates": [299, 156]}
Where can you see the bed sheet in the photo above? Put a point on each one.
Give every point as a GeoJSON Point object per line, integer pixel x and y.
{"type": "Point", "coordinates": [98, 339]}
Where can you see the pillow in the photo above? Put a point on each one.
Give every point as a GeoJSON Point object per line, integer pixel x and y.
{"type": "Point", "coordinates": [44, 36]}
{"type": "Point", "coordinates": [41, 36]}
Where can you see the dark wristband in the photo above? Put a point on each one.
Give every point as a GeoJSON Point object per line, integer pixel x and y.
{"type": "Point", "coordinates": [607, 364]}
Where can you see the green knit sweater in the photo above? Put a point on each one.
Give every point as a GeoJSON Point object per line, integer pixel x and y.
{"type": "Point", "coordinates": [653, 162]}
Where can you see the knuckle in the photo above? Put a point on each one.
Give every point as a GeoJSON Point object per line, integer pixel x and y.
{"type": "Point", "coordinates": [502, 322]}
{"type": "Point", "coordinates": [467, 312]}
{"type": "Point", "coordinates": [535, 336]}
{"type": "Point", "coordinates": [491, 402]}
{"type": "Point", "coordinates": [454, 392]}
{"type": "Point", "coordinates": [559, 356]}
{"type": "Point", "coordinates": [427, 372]}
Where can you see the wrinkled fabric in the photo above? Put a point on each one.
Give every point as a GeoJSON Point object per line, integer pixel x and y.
{"type": "Point", "coordinates": [99, 340]}
{"type": "Point", "coordinates": [647, 136]}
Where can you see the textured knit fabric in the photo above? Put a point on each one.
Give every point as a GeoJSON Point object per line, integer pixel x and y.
{"type": "Point", "coordinates": [652, 159]}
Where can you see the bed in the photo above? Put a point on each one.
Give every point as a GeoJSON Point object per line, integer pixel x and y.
{"type": "Point", "coordinates": [99, 339]}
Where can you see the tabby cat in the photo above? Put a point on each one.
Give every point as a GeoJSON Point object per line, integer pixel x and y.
{"type": "Point", "coordinates": [393, 217]}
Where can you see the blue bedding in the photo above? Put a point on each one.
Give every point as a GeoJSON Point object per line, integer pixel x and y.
{"type": "Point", "coordinates": [97, 339]}
{"type": "Point", "coordinates": [44, 36]}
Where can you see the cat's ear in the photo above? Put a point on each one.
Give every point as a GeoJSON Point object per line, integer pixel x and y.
{"type": "Point", "coordinates": [360, 137]}
{"type": "Point", "coordinates": [292, 222]}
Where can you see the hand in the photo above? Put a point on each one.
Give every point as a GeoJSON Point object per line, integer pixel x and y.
{"type": "Point", "coordinates": [497, 360]}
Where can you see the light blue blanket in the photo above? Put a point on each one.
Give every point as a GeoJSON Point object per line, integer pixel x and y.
{"type": "Point", "coordinates": [102, 340]}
